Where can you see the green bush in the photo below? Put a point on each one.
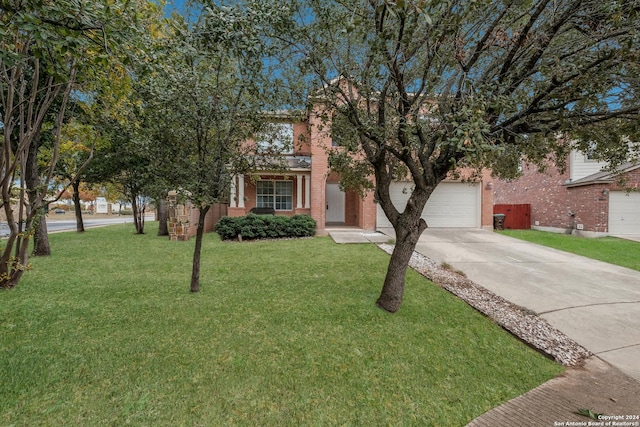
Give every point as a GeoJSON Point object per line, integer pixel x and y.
{"type": "Point", "coordinates": [253, 226]}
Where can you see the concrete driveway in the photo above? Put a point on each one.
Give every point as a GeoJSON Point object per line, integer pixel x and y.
{"type": "Point", "coordinates": [594, 303]}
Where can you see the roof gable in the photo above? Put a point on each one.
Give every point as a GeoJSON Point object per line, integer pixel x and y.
{"type": "Point", "coordinates": [605, 177]}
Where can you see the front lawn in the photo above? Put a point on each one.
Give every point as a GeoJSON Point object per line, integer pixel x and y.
{"type": "Point", "coordinates": [105, 332]}
{"type": "Point", "coordinates": [613, 250]}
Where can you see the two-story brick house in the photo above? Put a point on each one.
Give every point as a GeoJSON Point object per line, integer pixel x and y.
{"type": "Point", "coordinates": [308, 187]}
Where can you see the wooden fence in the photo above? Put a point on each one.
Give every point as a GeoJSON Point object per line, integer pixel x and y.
{"type": "Point", "coordinates": [517, 217]}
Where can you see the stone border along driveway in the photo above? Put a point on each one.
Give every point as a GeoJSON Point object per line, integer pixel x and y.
{"type": "Point", "coordinates": [530, 328]}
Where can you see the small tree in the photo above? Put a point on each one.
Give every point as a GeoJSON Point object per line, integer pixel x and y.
{"type": "Point", "coordinates": [203, 99]}
{"type": "Point", "coordinates": [127, 165]}
{"type": "Point", "coordinates": [105, 146]}
{"type": "Point", "coordinates": [424, 88]}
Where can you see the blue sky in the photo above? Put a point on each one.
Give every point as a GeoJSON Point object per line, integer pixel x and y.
{"type": "Point", "coordinates": [173, 5]}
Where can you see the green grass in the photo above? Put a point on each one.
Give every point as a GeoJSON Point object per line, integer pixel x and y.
{"type": "Point", "coordinates": [613, 250]}
{"type": "Point", "coordinates": [105, 332]}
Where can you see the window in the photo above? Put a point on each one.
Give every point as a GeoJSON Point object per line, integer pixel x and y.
{"type": "Point", "coordinates": [277, 138]}
{"type": "Point", "coordinates": [275, 194]}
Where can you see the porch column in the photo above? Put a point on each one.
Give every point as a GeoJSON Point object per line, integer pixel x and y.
{"type": "Point", "coordinates": [307, 191]}
{"type": "Point", "coordinates": [241, 191]}
{"type": "Point", "coordinates": [299, 198]}
{"type": "Point", "coordinates": [232, 198]}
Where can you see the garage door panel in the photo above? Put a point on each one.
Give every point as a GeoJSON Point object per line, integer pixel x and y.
{"type": "Point", "coordinates": [624, 212]}
{"type": "Point", "coordinates": [452, 204]}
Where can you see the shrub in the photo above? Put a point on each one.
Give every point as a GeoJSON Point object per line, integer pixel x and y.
{"type": "Point", "coordinates": [265, 227]}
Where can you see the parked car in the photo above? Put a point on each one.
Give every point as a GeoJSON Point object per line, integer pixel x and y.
{"type": "Point", "coordinates": [60, 211]}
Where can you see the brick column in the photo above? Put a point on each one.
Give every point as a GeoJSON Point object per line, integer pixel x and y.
{"type": "Point", "coordinates": [179, 216]}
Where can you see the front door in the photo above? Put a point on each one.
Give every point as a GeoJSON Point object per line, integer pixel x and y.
{"type": "Point", "coordinates": [335, 204]}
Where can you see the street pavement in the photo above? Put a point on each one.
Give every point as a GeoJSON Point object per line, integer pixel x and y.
{"type": "Point", "coordinates": [56, 225]}
{"type": "Point", "coordinates": [68, 223]}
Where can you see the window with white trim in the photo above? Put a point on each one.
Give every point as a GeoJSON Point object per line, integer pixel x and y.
{"type": "Point", "coordinates": [275, 194]}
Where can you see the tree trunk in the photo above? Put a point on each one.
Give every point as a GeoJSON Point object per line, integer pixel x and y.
{"type": "Point", "coordinates": [77, 206]}
{"type": "Point", "coordinates": [407, 237]}
{"type": "Point", "coordinates": [10, 276]}
{"type": "Point", "coordinates": [138, 219]}
{"type": "Point", "coordinates": [134, 209]}
{"type": "Point", "coordinates": [141, 213]}
{"type": "Point", "coordinates": [41, 245]}
{"type": "Point", "coordinates": [195, 271]}
{"type": "Point", "coordinates": [408, 227]}
{"type": "Point", "coordinates": [12, 266]}
{"type": "Point", "coordinates": [163, 216]}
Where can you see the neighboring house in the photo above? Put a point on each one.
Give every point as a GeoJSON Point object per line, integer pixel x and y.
{"type": "Point", "coordinates": [584, 199]}
{"type": "Point", "coordinates": [308, 187]}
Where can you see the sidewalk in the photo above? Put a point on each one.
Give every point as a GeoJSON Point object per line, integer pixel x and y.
{"type": "Point", "coordinates": [343, 235]}
{"type": "Point", "coordinates": [596, 386]}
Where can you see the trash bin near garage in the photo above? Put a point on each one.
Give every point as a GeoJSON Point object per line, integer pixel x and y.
{"type": "Point", "coordinates": [498, 221]}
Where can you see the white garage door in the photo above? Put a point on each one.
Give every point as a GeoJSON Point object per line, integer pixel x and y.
{"type": "Point", "coordinates": [624, 212]}
{"type": "Point", "coordinates": [452, 204]}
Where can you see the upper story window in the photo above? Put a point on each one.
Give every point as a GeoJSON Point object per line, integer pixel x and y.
{"type": "Point", "coordinates": [277, 138]}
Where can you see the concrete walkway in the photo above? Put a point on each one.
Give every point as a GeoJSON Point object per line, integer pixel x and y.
{"type": "Point", "coordinates": [597, 386]}
{"type": "Point", "coordinates": [356, 235]}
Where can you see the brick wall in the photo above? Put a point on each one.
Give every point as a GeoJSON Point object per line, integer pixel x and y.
{"type": "Point", "coordinates": [301, 139]}
{"type": "Point", "coordinates": [631, 181]}
{"type": "Point", "coordinates": [217, 211]}
{"type": "Point", "coordinates": [552, 203]}
{"type": "Point", "coordinates": [367, 213]}
{"type": "Point", "coordinates": [486, 200]}
{"type": "Point", "coordinates": [250, 196]}
{"type": "Point", "coordinates": [359, 212]}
